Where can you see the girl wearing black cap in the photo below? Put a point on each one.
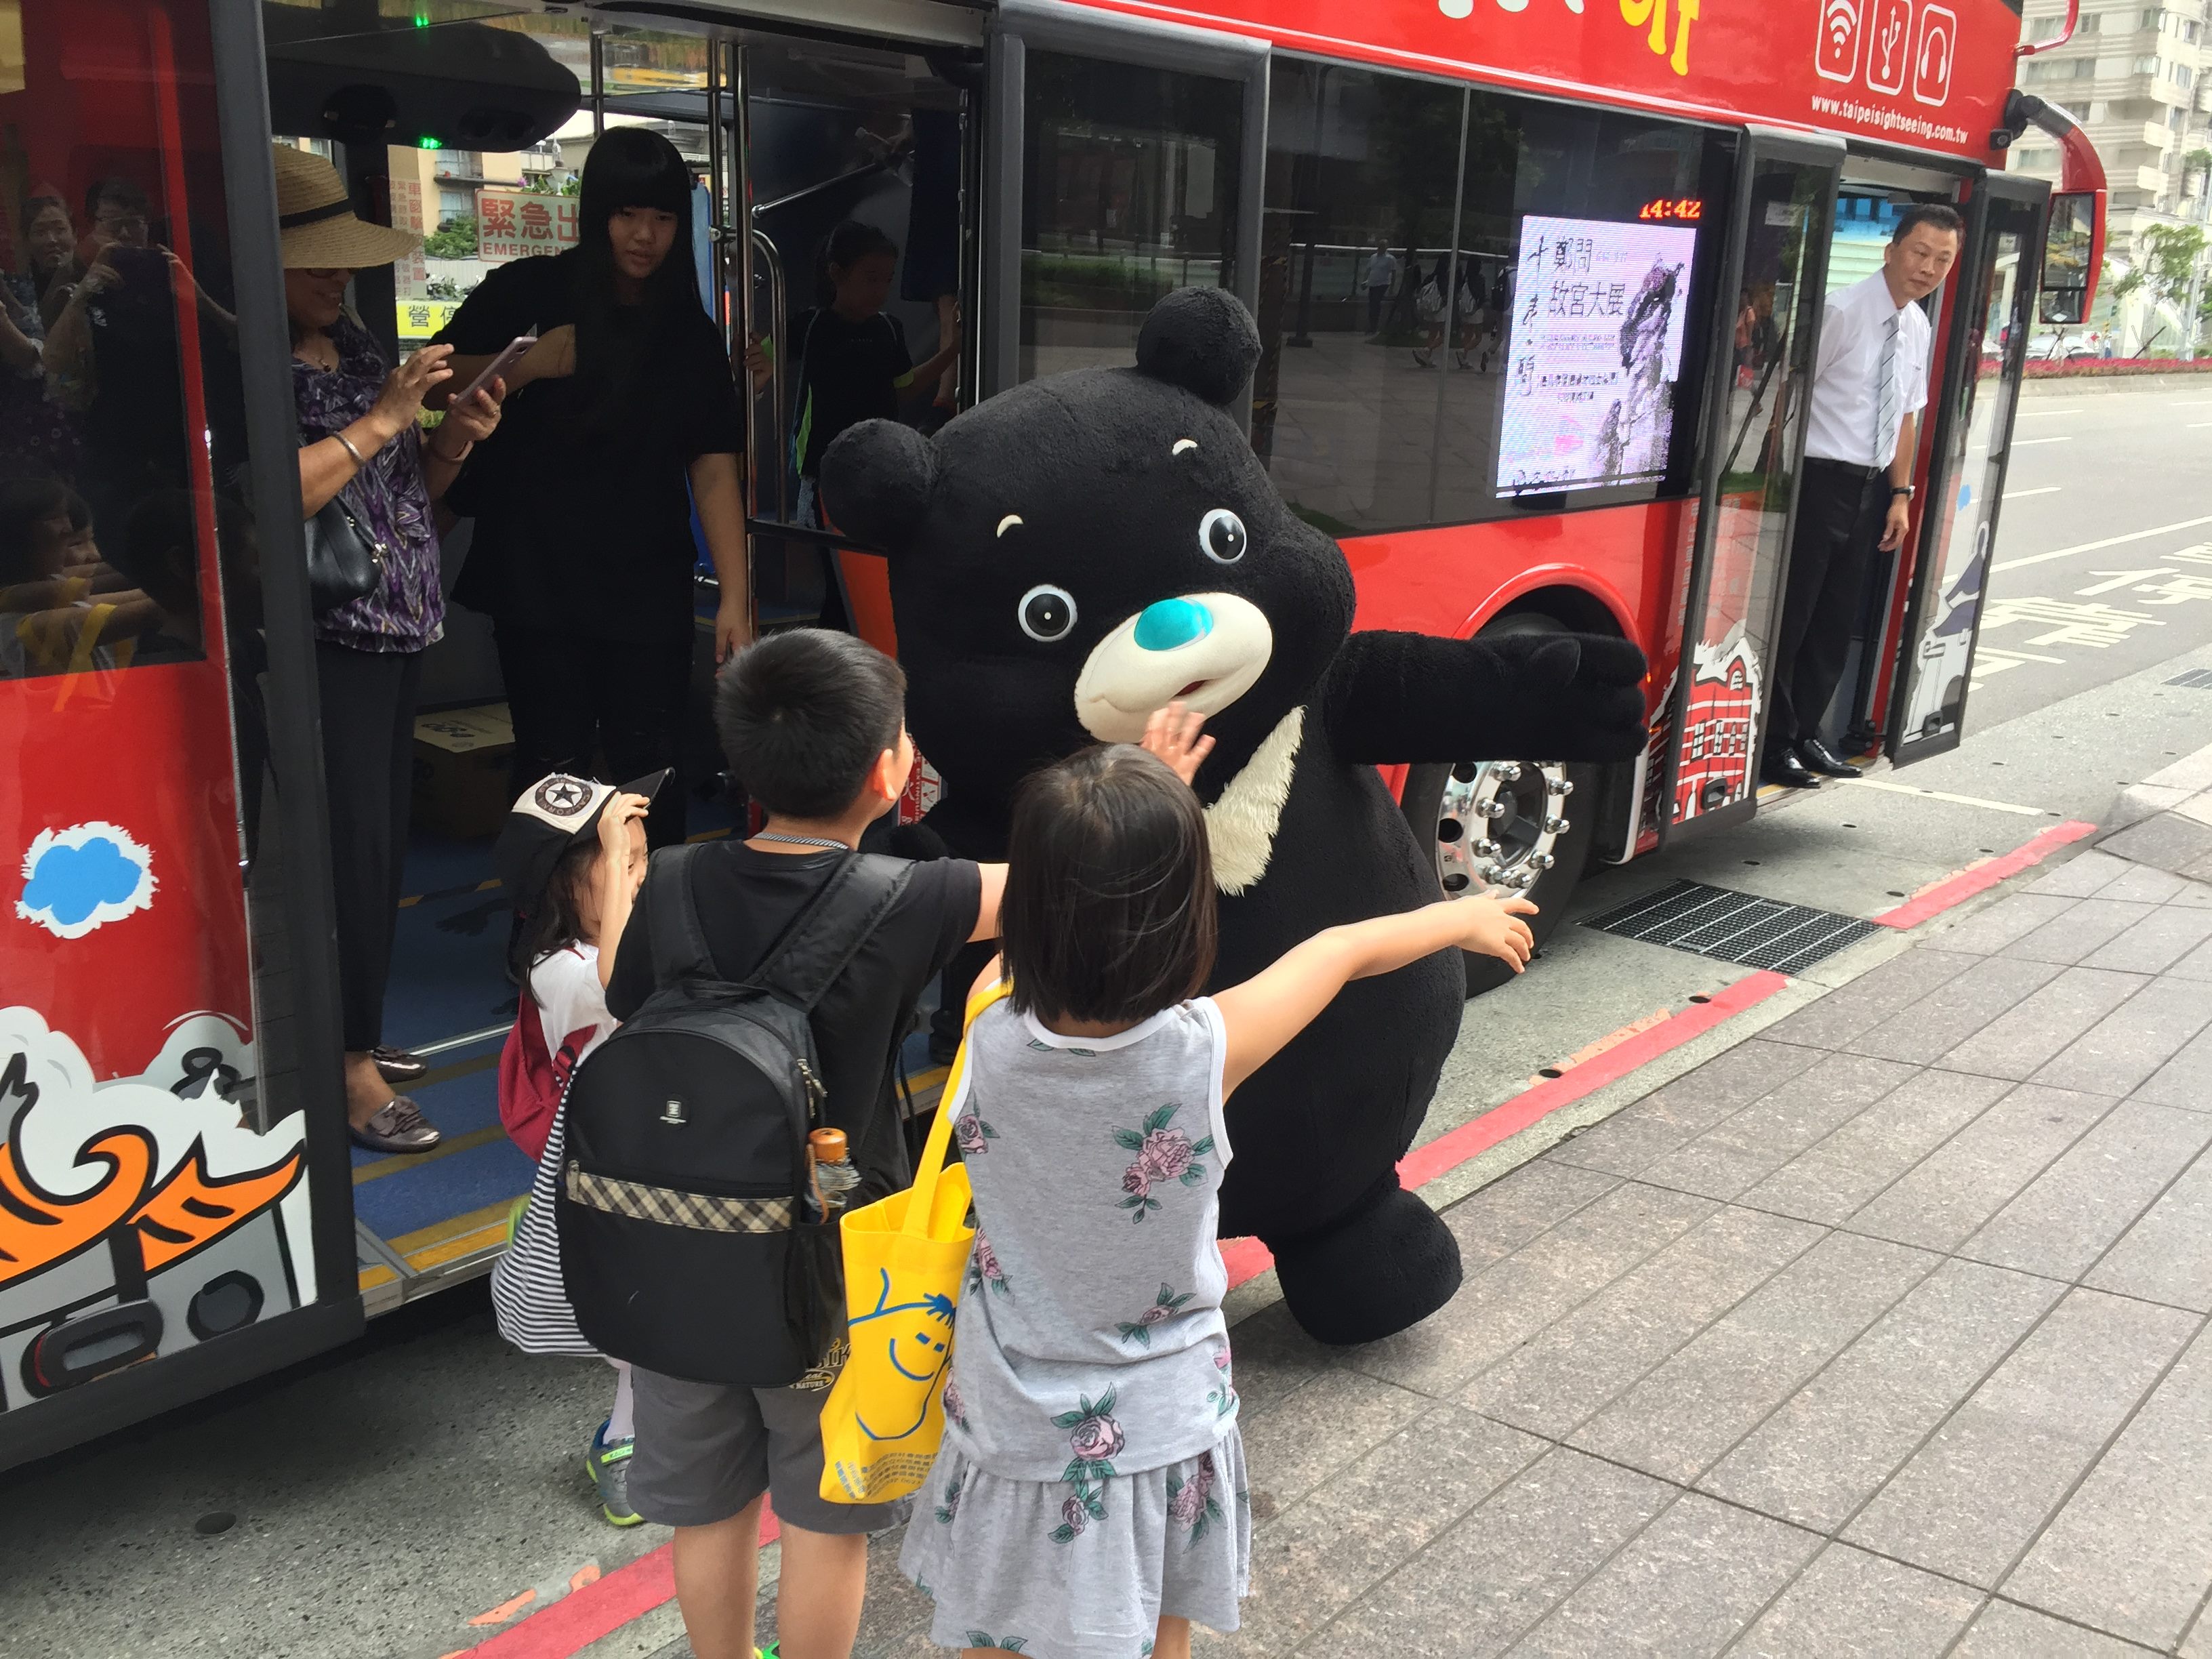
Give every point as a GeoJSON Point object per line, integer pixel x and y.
{"type": "Point", "coordinates": [621, 416]}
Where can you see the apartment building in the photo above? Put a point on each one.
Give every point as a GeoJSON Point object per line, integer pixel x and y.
{"type": "Point", "coordinates": [2137, 77]}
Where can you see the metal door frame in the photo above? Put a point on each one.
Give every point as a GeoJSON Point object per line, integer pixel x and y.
{"type": "Point", "coordinates": [1759, 144]}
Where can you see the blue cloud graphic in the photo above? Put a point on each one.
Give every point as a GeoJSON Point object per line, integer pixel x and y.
{"type": "Point", "coordinates": [71, 883]}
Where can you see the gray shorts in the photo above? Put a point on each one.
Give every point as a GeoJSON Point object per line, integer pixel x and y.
{"type": "Point", "coordinates": [705, 1450]}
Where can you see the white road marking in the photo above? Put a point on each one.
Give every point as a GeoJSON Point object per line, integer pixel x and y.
{"type": "Point", "coordinates": [1938, 794]}
{"type": "Point", "coordinates": [2032, 414]}
{"type": "Point", "coordinates": [2022, 494]}
{"type": "Point", "coordinates": [2110, 541]}
{"type": "Point", "coordinates": [2198, 426]}
{"type": "Point", "coordinates": [2022, 443]}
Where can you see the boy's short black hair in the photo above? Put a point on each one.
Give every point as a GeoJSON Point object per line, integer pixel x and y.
{"type": "Point", "coordinates": [803, 715]}
{"type": "Point", "coordinates": [1109, 912]}
{"type": "Point", "coordinates": [1930, 213]}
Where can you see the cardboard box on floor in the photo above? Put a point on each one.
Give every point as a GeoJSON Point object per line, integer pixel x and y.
{"type": "Point", "coordinates": [461, 762]}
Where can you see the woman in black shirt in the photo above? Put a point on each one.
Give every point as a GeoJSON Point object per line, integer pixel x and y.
{"type": "Point", "coordinates": [621, 418]}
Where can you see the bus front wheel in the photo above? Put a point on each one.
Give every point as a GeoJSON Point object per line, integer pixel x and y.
{"type": "Point", "coordinates": [1522, 826]}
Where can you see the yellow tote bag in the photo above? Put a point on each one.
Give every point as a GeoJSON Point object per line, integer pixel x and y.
{"type": "Point", "coordinates": [905, 1257]}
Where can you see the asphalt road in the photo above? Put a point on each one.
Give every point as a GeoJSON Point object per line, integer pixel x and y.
{"type": "Point", "coordinates": [421, 1490]}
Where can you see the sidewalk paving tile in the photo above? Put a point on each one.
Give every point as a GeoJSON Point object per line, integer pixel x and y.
{"type": "Point", "coordinates": [1850, 1605]}
{"type": "Point", "coordinates": [1955, 1011]}
{"type": "Point", "coordinates": [1838, 1438]}
{"type": "Point", "coordinates": [2187, 1080]}
{"type": "Point", "coordinates": [2006, 1632]}
{"type": "Point", "coordinates": [2157, 942]}
{"type": "Point", "coordinates": [2143, 884]}
{"type": "Point", "coordinates": [1295, 1444]}
{"type": "Point", "coordinates": [1973, 1498]}
{"type": "Point", "coordinates": [1372, 1518]}
{"type": "Point", "coordinates": [1273, 1358]}
{"type": "Point", "coordinates": [2196, 965]}
{"type": "Point", "coordinates": [2016, 1043]}
{"type": "Point", "coordinates": [1744, 1149]}
{"type": "Point", "coordinates": [1968, 1179]}
{"type": "Point", "coordinates": [2168, 1255]}
{"type": "Point", "coordinates": [2010, 920]}
{"type": "Point", "coordinates": [1494, 1221]}
{"type": "Point", "coordinates": [1691, 1581]}
{"type": "Point", "coordinates": [2124, 1049]}
{"type": "Point", "coordinates": [2072, 1212]}
{"type": "Point", "coordinates": [1499, 1308]}
{"type": "Point", "coordinates": [2197, 1644]}
{"type": "Point", "coordinates": [1667, 1117]}
{"type": "Point", "coordinates": [2169, 840]}
{"type": "Point", "coordinates": [1851, 1011]}
{"type": "Point", "coordinates": [2131, 1552]}
{"type": "Point", "coordinates": [1506, 1563]}
{"type": "Point", "coordinates": [1562, 1375]}
{"type": "Point", "coordinates": [2088, 926]}
{"type": "Point", "coordinates": [1832, 1181]}
{"type": "Point", "coordinates": [2082, 876]}
{"type": "Point", "coordinates": [1683, 1416]}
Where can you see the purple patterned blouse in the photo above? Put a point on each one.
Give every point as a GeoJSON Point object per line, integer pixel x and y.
{"type": "Point", "coordinates": [407, 610]}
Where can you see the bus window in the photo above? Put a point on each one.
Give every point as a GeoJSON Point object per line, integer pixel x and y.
{"type": "Point", "coordinates": [1473, 302]}
{"type": "Point", "coordinates": [1130, 181]}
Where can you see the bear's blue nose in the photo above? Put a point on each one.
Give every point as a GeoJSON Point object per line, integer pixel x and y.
{"type": "Point", "coordinates": [1165, 625]}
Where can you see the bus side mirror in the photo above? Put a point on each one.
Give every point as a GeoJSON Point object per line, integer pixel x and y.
{"type": "Point", "coordinates": [2068, 270]}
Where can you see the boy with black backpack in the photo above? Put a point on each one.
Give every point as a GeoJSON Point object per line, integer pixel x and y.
{"type": "Point", "coordinates": [764, 986]}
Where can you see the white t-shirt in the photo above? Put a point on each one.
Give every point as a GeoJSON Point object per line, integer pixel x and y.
{"type": "Point", "coordinates": [1382, 271]}
{"type": "Point", "coordinates": [1840, 426]}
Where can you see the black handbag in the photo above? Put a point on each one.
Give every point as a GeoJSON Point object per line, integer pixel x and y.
{"type": "Point", "coordinates": [344, 560]}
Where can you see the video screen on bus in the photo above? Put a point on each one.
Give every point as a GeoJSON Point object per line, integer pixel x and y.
{"type": "Point", "coordinates": [1594, 352]}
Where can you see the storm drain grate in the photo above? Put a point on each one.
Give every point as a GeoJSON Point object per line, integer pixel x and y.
{"type": "Point", "coordinates": [2196, 679]}
{"type": "Point", "coordinates": [1740, 927]}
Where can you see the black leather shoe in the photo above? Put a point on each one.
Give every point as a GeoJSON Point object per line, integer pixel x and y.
{"type": "Point", "coordinates": [1819, 757]}
{"type": "Point", "coordinates": [1786, 770]}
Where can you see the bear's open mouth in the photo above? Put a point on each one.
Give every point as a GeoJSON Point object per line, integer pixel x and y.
{"type": "Point", "coordinates": [1191, 690]}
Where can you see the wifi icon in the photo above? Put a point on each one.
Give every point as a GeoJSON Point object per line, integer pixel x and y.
{"type": "Point", "coordinates": [1836, 53]}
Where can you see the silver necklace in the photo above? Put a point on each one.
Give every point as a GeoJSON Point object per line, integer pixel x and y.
{"type": "Point", "coordinates": [801, 840]}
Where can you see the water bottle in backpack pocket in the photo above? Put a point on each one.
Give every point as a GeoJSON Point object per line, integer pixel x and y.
{"type": "Point", "coordinates": [691, 1242]}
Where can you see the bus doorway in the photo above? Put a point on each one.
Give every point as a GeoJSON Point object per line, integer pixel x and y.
{"type": "Point", "coordinates": [787, 135]}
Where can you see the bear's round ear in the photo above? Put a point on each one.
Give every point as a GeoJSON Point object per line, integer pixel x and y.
{"type": "Point", "coordinates": [876, 481]}
{"type": "Point", "coordinates": [1201, 339]}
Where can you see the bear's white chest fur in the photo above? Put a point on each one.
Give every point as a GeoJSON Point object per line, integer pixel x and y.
{"type": "Point", "coordinates": [1240, 827]}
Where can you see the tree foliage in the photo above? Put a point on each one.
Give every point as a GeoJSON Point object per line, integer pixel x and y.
{"type": "Point", "coordinates": [454, 239]}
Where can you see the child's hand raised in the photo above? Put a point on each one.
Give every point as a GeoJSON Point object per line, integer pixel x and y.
{"type": "Point", "coordinates": [1491, 926]}
{"type": "Point", "coordinates": [622, 827]}
{"type": "Point", "coordinates": [1172, 733]}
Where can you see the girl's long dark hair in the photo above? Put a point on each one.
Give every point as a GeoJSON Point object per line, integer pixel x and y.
{"type": "Point", "coordinates": [555, 919]}
{"type": "Point", "coordinates": [630, 168]}
{"type": "Point", "coordinates": [1110, 912]}
{"type": "Point", "coordinates": [844, 247]}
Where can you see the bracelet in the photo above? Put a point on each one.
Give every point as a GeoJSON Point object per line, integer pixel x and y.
{"type": "Point", "coordinates": [346, 444]}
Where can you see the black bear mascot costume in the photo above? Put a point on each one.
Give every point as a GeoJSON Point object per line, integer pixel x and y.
{"type": "Point", "coordinates": [1072, 553]}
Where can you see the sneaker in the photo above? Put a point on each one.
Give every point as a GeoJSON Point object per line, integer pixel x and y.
{"type": "Point", "coordinates": [399, 1127]}
{"type": "Point", "coordinates": [608, 1460]}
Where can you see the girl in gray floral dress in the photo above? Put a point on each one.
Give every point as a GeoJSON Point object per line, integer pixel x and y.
{"type": "Point", "coordinates": [1089, 1501]}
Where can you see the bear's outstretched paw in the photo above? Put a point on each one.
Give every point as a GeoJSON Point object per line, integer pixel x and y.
{"type": "Point", "coordinates": [1385, 1266]}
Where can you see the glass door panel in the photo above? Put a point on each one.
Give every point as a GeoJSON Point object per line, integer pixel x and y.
{"type": "Point", "coordinates": [1934, 670]}
{"type": "Point", "coordinates": [1754, 445]}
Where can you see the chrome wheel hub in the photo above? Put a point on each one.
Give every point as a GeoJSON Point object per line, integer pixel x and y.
{"type": "Point", "coordinates": [1500, 825]}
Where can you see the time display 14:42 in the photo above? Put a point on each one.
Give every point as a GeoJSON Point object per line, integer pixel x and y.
{"type": "Point", "coordinates": [1681, 211]}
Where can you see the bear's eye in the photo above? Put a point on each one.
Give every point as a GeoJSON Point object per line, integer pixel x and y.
{"type": "Point", "coordinates": [1221, 536]}
{"type": "Point", "coordinates": [1046, 613]}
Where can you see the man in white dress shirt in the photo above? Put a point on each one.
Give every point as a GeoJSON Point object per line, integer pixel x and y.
{"type": "Point", "coordinates": [1855, 498]}
{"type": "Point", "coordinates": [1376, 274]}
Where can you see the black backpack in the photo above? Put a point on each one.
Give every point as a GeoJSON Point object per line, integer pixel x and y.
{"type": "Point", "coordinates": [686, 1242]}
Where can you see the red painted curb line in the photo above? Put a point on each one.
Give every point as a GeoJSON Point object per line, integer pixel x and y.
{"type": "Point", "coordinates": [1248, 1258]}
{"type": "Point", "coordinates": [1980, 878]}
{"type": "Point", "coordinates": [599, 1609]}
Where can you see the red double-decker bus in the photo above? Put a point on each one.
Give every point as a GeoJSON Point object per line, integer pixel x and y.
{"type": "Point", "coordinates": [1539, 283]}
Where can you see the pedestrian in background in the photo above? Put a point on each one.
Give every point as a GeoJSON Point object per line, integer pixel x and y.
{"type": "Point", "coordinates": [1376, 275]}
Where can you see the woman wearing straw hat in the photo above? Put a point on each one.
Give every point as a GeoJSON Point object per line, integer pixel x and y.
{"type": "Point", "coordinates": [358, 438]}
